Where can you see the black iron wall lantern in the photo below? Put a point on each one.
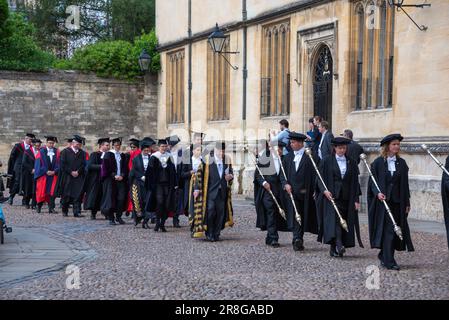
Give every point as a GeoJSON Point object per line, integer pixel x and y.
{"type": "Point", "coordinates": [144, 61]}
{"type": "Point", "coordinates": [217, 41]}
{"type": "Point", "coordinates": [399, 4]}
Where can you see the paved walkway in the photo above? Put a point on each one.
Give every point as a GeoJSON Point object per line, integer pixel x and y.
{"type": "Point", "coordinates": [31, 252]}
{"type": "Point", "coordinates": [124, 262]}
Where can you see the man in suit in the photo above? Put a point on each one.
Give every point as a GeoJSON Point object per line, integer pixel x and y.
{"type": "Point", "coordinates": [177, 154]}
{"type": "Point", "coordinates": [325, 146]}
{"type": "Point", "coordinates": [354, 149]}
{"type": "Point", "coordinates": [265, 185]}
{"type": "Point", "coordinates": [217, 194]}
{"type": "Point", "coordinates": [15, 167]}
{"type": "Point", "coordinates": [299, 181]}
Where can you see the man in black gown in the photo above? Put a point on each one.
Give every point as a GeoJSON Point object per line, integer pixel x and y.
{"type": "Point", "coordinates": [300, 182]}
{"type": "Point", "coordinates": [73, 171]}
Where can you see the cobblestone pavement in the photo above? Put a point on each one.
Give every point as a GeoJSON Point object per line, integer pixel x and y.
{"type": "Point", "coordinates": [124, 262]}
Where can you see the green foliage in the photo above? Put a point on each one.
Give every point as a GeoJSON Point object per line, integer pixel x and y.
{"type": "Point", "coordinates": [18, 48]}
{"type": "Point", "coordinates": [4, 13]}
{"type": "Point", "coordinates": [117, 59]}
{"type": "Point", "coordinates": [131, 18]}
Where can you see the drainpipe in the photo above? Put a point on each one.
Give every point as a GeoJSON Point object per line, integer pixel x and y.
{"type": "Point", "coordinates": [189, 81]}
{"type": "Point", "coordinates": [244, 102]}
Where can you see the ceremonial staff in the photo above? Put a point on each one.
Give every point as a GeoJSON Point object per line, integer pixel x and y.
{"type": "Point", "coordinates": [343, 223]}
{"type": "Point", "coordinates": [281, 211]}
{"type": "Point", "coordinates": [397, 229]}
{"type": "Point", "coordinates": [435, 159]}
{"type": "Point", "coordinates": [297, 216]}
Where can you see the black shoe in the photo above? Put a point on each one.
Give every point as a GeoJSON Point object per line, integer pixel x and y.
{"type": "Point", "coordinates": [298, 245]}
{"type": "Point", "coordinates": [65, 214]}
{"type": "Point", "coordinates": [120, 221]}
{"type": "Point", "coordinates": [156, 228]}
{"type": "Point", "coordinates": [275, 244]}
{"type": "Point", "coordinates": [340, 251]}
{"type": "Point", "coordinates": [52, 210]}
{"type": "Point", "coordinates": [112, 223]}
{"type": "Point", "coordinates": [27, 206]}
{"type": "Point", "coordinates": [332, 252]}
{"type": "Point", "coordinates": [10, 200]}
{"type": "Point", "coordinates": [93, 217]}
{"type": "Point", "coordinates": [176, 225]}
{"type": "Point", "coordinates": [78, 215]}
{"type": "Point", "coordinates": [39, 209]}
{"type": "Point", "coordinates": [394, 267]}
{"type": "Point", "coordinates": [153, 220]}
{"type": "Point", "coordinates": [163, 229]}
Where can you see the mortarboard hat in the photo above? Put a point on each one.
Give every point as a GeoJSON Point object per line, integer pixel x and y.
{"type": "Point", "coordinates": [51, 138]}
{"type": "Point", "coordinates": [78, 139]}
{"type": "Point", "coordinates": [30, 135]}
{"type": "Point", "coordinates": [297, 136]}
{"type": "Point", "coordinates": [340, 141]}
{"type": "Point", "coordinates": [161, 142]}
{"type": "Point", "coordinates": [146, 143]}
{"type": "Point", "coordinates": [391, 137]}
{"type": "Point", "coordinates": [103, 140]}
{"type": "Point", "coordinates": [117, 140]}
{"type": "Point", "coordinates": [173, 140]}
{"type": "Point", "coordinates": [35, 140]}
{"type": "Point", "coordinates": [134, 142]}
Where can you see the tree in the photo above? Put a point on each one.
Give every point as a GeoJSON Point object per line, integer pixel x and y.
{"type": "Point", "coordinates": [131, 18]}
{"type": "Point", "coordinates": [4, 13]}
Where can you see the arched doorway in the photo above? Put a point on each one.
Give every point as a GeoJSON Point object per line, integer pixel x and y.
{"type": "Point", "coordinates": [322, 84]}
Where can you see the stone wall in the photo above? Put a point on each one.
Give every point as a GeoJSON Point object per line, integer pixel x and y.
{"type": "Point", "coordinates": [66, 103]}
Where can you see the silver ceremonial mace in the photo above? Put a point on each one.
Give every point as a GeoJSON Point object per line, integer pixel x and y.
{"type": "Point", "coordinates": [397, 229]}
{"type": "Point", "coordinates": [281, 211]}
{"type": "Point", "coordinates": [442, 167]}
{"type": "Point", "coordinates": [343, 223]}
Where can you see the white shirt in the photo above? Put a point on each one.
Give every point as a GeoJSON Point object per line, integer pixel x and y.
{"type": "Point", "coordinates": [51, 154]}
{"type": "Point", "coordinates": [341, 161]}
{"type": "Point", "coordinates": [174, 154]}
{"type": "Point", "coordinates": [196, 163]}
{"type": "Point", "coordinates": [219, 162]}
{"type": "Point", "coordinates": [391, 164]}
{"type": "Point", "coordinates": [298, 157]}
{"type": "Point", "coordinates": [146, 159]}
{"type": "Point", "coordinates": [27, 146]}
{"type": "Point", "coordinates": [102, 155]}
{"type": "Point", "coordinates": [118, 160]}
{"type": "Point", "coordinates": [277, 164]}
{"type": "Point", "coordinates": [321, 143]}
{"type": "Point", "coordinates": [75, 150]}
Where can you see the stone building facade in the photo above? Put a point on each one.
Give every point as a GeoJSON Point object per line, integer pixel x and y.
{"type": "Point", "coordinates": [361, 64]}
{"type": "Point", "coordinates": [65, 103]}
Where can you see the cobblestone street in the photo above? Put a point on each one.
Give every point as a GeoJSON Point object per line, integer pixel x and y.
{"type": "Point", "coordinates": [124, 262]}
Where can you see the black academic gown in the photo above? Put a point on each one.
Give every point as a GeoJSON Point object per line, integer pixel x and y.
{"type": "Point", "coordinates": [15, 168]}
{"type": "Point", "coordinates": [376, 209]}
{"type": "Point", "coordinates": [73, 187]}
{"type": "Point", "coordinates": [92, 184]}
{"type": "Point", "coordinates": [445, 196]}
{"type": "Point", "coordinates": [28, 183]}
{"type": "Point", "coordinates": [346, 190]}
{"type": "Point", "coordinates": [59, 188]}
{"type": "Point", "coordinates": [138, 191]}
{"type": "Point", "coordinates": [185, 177]}
{"type": "Point", "coordinates": [108, 184]}
{"type": "Point", "coordinates": [153, 183]}
{"type": "Point", "coordinates": [303, 185]}
{"type": "Point", "coordinates": [267, 166]}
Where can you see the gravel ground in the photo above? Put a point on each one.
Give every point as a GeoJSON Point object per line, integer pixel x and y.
{"type": "Point", "coordinates": [133, 263]}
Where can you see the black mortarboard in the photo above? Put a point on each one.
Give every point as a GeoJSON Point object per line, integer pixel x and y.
{"type": "Point", "coordinates": [103, 140]}
{"type": "Point", "coordinates": [173, 140]}
{"type": "Point", "coordinates": [340, 141]}
{"type": "Point", "coordinates": [161, 141]}
{"type": "Point", "coordinates": [149, 140]}
{"type": "Point", "coordinates": [51, 138]}
{"type": "Point", "coordinates": [30, 135]}
{"type": "Point", "coordinates": [391, 137]}
{"type": "Point", "coordinates": [134, 142]}
{"type": "Point", "coordinates": [35, 140]}
{"type": "Point", "coordinates": [297, 136]}
{"type": "Point", "coordinates": [146, 143]}
{"type": "Point", "coordinates": [78, 139]}
{"type": "Point", "coordinates": [115, 140]}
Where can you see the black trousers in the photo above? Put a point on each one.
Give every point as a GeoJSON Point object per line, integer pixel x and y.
{"type": "Point", "coordinates": [122, 197]}
{"type": "Point", "coordinates": [51, 204]}
{"type": "Point", "coordinates": [298, 230]}
{"type": "Point", "coordinates": [342, 206]}
{"type": "Point", "coordinates": [67, 200]}
{"type": "Point", "coordinates": [162, 194]}
{"type": "Point", "coordinates": [386, 254]}
{"type": "Point", "coordinates": [271, 210]}
{"type": "Point", "coordinates": [216, 213]}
